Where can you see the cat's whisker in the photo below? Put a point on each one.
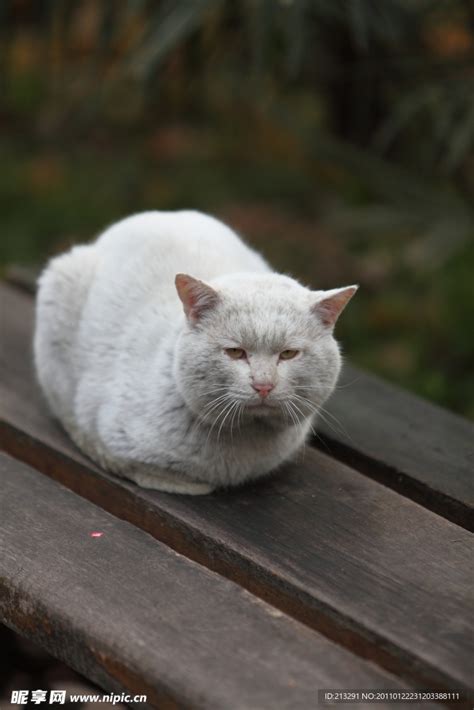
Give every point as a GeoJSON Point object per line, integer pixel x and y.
{"type": "Point", "coordinates": [211, 406]}
{"type": "Point", "coordinates": [306, 387]}
{"type": "Point", "coordinates": [192, 381]}
{"type": "Point", "coordinates": [203, 417]}
{"type": "Point", "coordinates": [329, 414]}
{"type": "Point", "coordinates": [289, 416]}
{"type": "Point", "coordinates": [337, 426]}
{"type": "Point", "coordinates": [304, 402]}
{"type": "Point", "coordinates": [285, 409]}
{"type": "Point", "coordinates": [305, 416]}
{"type": "Point", "coordinates": [234, 413]}
{"type": "Point", "coordinates": [324, 413]}
{"type": "Point", "coordinates": [216, 399]}
{"type": "Point", "coordinates": [300, 422]}
{"type": "Point", "coordinates": [228, 409]}
{"type": "Point", "coordinates": [313, 430]}
{"type": "Point", "coordinates": [347, 384]}
{"type": "Point", "coordinates": [213, 391]}
{"type": "Point", "coordinates": [222, 413]}
{"type": "Point", "coordinates": [307, 402]}
{"type": "Point", "coordinates": [293, 406]}
{"type": "Point", "coordinates": [293, 414]}
{"type": "Point", "coordinates": [242, 409]}
{"type": "Point", "coordinates": [222, 390]}
{"type": "Point", "coordinates": [216, 419]}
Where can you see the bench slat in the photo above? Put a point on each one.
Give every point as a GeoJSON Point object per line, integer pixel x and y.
{"type": "Point", "coordinates": [347, 556]}
{"type": "Point", "coordinates": [403, 441]}
{"type": "Point", "coordinates": [134, 616]}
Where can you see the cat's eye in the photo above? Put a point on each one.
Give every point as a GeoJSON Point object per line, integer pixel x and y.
{"type": "Point", "coordinates": [236, 353]}
{"type": "Point", "coordinates": [288, 354]}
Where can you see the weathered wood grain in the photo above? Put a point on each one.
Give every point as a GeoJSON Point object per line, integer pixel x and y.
{"type": "Point", "coordinates": [136, 617]}
{"type": "Point", "coordinates": [404, 442]}
{"type": "Point", "coordinates": [349, 557]}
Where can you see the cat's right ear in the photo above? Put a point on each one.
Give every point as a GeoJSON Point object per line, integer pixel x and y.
{"type": "Point", "coordinates": [196, 296]}
{"type": "Point", "coordinates": [330, 304]}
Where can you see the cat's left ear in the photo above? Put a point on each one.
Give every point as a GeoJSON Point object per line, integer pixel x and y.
{"type": "Point", "coordinates": [196, 296]}
{"type": "Point", "coordinates": [331, 304]}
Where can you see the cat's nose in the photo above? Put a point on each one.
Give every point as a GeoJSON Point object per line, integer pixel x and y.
{"type": "Point", "coordinates": [263, 388]}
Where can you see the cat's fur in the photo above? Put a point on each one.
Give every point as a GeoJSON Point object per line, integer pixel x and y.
{"type": "Point", "coordinates": [142, 381]}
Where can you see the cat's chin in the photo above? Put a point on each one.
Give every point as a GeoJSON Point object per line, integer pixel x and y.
{"type": "Point", "coordinates": [263, 409]}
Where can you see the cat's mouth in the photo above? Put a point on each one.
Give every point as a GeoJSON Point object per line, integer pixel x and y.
{"type": "Point", "coordinates": [261, 403]}
{"type": "Point", "coordinates": [262, 407]}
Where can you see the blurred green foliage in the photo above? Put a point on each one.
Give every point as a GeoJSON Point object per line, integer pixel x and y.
{"type": "Point", "coordinates": [336, 136]}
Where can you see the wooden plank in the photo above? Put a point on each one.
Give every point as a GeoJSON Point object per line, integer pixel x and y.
{"type": "Point", "coordinates": [349, 557]}
{"type": "Point", "coordinates": [404, 442]}
{"type": "Point", "coordinates": [136, 617]}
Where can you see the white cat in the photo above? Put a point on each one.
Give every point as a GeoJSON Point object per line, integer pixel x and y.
{"type": "Point", "coordinates": [177, 383]}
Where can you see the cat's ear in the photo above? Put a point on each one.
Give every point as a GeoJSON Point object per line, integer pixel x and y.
{"type": "Point", "coordinates": [330, 304]}
{"type": "Point", "coordinates": [196, 296]}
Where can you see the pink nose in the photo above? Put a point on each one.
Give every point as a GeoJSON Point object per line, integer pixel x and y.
{"type": "Point", "coordinates": [263, 388]}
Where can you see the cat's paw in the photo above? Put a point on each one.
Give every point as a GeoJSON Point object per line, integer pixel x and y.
{"type": "Point", "coordinates": [169, 485]}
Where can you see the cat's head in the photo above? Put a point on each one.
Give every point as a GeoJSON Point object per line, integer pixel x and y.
{"type": "Point", "coordinates": [257, 345]}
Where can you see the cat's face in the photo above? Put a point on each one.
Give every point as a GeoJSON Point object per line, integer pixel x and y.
{"type": "Point", "coordinates": [257, 346]}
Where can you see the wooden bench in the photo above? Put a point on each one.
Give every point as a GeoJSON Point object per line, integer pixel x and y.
{"type": "Point", "coordinates": [351, 569]}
